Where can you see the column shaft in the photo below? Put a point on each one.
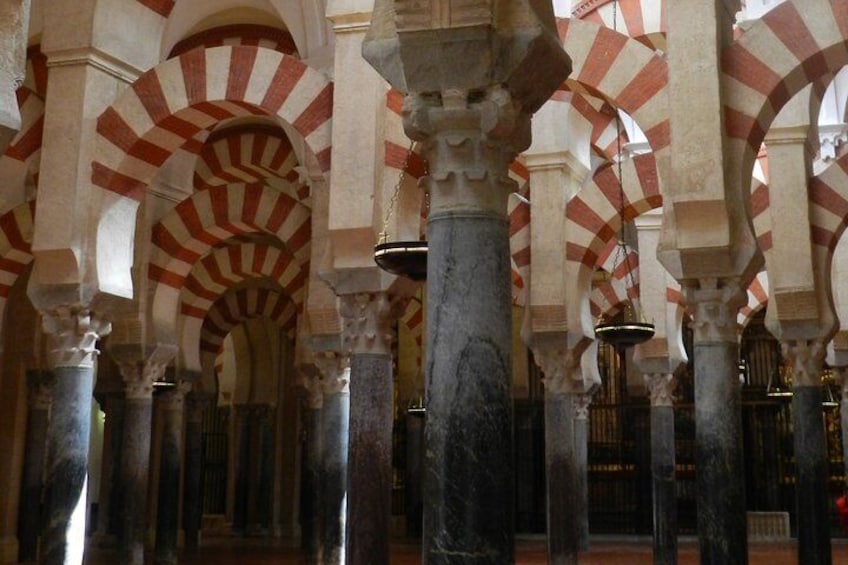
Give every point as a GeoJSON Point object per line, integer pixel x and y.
{"type": "Point", "coordinates": [469, 477]}
{"type": "Point", "coordinates": [310, 501]}
{"type": "Point", "coordinates": [66, 467]}
{"type": "Point", "coordinates": [135, 468]}
{"type": "Point", "coordinates": [29, 509]}
{"type": "Point", "coordinates": [811, 470]}
{"type": "Point", "coordinates": [168, 507]}
{"type": "Point", "coordinates": [369, 497]}
{"type": "Point", "coordinates": [563, 534]}
{"type": "Point", "coordinates": [665, 495]}
{"type": "Point", "coordinates": [581, 459]}
{"type": "Point", "coordinates": [242, 468]}
{"type": "Point", "coordinates": [722, 525]}
{"type": "Point", "coordinates": [414, 474]}
{"type": "Point", "coordinates": [265, 488]}
{"type": "Point", "coordinates": [334, 431]}
{"type": "Point", "coordinates": [111, 492]}
{"type": "Point", "coordinates": [193, 475]}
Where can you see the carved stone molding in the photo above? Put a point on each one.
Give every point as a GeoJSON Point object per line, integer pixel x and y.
{"type": "Point", "coordinates": [806, 358]}
{"type": "Point", "coordinates": [561, 369]}
{"type": "Point", "coordinates": [716, 304]}
{"type": "Point", "coordinates": [72, 333]}
{"type": "Point", "coordinates": [368, 322]}
{"type": "Point", "coordinates": [661, 388]}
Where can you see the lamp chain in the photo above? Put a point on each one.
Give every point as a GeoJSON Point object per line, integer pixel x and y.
{"type": "Point", "coordinates": [394, 199]}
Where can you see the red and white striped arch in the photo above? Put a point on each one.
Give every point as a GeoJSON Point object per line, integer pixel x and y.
{"type": "Point", "coordinates": [249, 155]}
{"type": "Point", "coordinates": [36, 71]}
{"type": "Point", "coordinates": [207, 220]}
{"type": "Point", "coordinates": [413, 319]}
{"type": "Point", "coordinates": [20, 163]}
{"type": "Point", "coordinates": [161, 7]}
{"type": "Point", "coordinates": [758, 292]}
{"type": "Point", "coordinates": [643, 20]}
{"type": "Point", "coordinates": [16, 229]}
{"type": "Point", "coordinates": [604, 139]}
{"type": "Point", "coordinates": [794, 44]}
{"type": "Point", "coordinates": [828, 193]}
{"type": "Point", "coordinates": [267, 37]}
{"type": "Point", "coordinates": [226, 268]}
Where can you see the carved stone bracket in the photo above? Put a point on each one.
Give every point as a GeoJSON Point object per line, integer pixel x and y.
{"type": "Point", "coordinates": [72, 333]}
{"type": "Point", "coordinates": [661, 388]}
{"type": "Point", "coordinates": [806, 358]}
{"type": "Point", "coordinates": [368, 318]}
{"type": "Point", "coordinates": [716, 303]}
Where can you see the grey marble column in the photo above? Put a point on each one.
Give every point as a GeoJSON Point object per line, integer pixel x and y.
{"type": "Point", "coordinates": [140, 368]}
{"type": "Point", "coordinates": [843, 415]}
{"type": "Point", "coordinates": [168, 507]}
{"type": "Point", "coordinates": [265, 487]}
{"type": "Point", "coordinates": [367, 335]}
{"type": "Point", "coordinates": [561, 473]}
{"type": "Point", "coordinates": [241, 447]}
{"type": "Point", "coordinates": [310, 476]}
{"type": "Point", "coordinates": [719, 456]}
{"type": "Point", "coordinates": [40, 394]}
{"type": "Point", "coordinates": [334, 442]}
{"type": "Point", "coordinates": [196, 405]}
{"type": "Point", "coordinates": [111, 493]}
{"type": "Point", "coordinates": [414, 473]}
{"type": "Point", "coordinates": [72, 336]}
{"type": "Point", "coordinates": [661, 387]}
{"type": "Point", "coordinates": [582, 402]}
{"type": "Point", "coordinates": [811, 493]}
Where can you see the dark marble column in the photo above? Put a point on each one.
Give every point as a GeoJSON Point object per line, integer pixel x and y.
{"type": "Point", "coordinates": [368, 334]}
{"type": "Point", "coordinates": [563, 532]}
{"type": "Point", "coordinates": [582, 401]}
{"type": "Point", "coordinates": [139, 369]}
{"type": "Point", "coordinates": [72, 336]}
{"type": "Point", "coordinates": [111, 493]}
{"type": "Point", "coordinates": [241, 447]}
{"type": "Point", "coordinates": [334, 442]}
{"type": "Point", "coordinates": [414, 473]}
{"type": "Point", "coordinates": [310, 476]}
{"type": "Point", "coordinates": [843, 415]}
{"type": "Point", "coordinates": [719, 456]}
{"type": "Point", "coordinates": [265, 488]}
{"type": "Point", "coordinates": [168, 506]}
{"type": "Point", "coordinates": [811, 493]}
{"type": "Point", "coordinates": [40, 394]}
{"type": "Point", "coordinates": [661, 387]}
{"type": "Point", "coordinates": [196, 405]}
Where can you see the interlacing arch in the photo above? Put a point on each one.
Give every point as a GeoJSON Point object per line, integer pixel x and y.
{"type": "Point", "coordinates": [643, 20]}
{"type": "Point", "coordinates": [161, 7]}
{"type": "Point", "coordinates": [16, 229]}
{"type": "Point", "coordinates": [267, 37]}
{"type": "Point", "coordinates": [757, 293]}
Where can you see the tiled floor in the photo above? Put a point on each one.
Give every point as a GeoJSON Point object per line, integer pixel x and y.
{"type": "Point", "coordinates": [604, 551]}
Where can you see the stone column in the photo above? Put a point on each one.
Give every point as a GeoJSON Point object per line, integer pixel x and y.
{"type": "Point", "coordinates": [661, 388]}
{"type": "Point", "coordinates": [241, 449]}
{"type": "Point", "coordinates": [335, 370]}
{"type": "Point", "coordinates": [39, 398]}
{"type": "Point", "coordinates": [111, 493]}
{"type": "Point", "coordinates": [139, 369]}
{"type": "Point", "coordinates": [72, 335]}
{"type": "Point", "coordinates": [310, 478]}
{"type": "Point", "coordinates": [415, 423]}
{"type": "Point", "coordinates": [582, 401]}
{"type": "Point", "coordinates": [196, 405]}
{"type": "Point", "coordinates": [811, 494]}
{"type": "Point", "coordinates": [168, 506]}
{"type": "Point", "coordinates": [265, 420]}
{"type": "Point", "coordinates": [368, 334]}
{"type": "Point", "coordinates": [563, 534]}
{"type": "Point", "coordinates": [841, 374]}
{"type": "Point", "coordinates": [719, 456]}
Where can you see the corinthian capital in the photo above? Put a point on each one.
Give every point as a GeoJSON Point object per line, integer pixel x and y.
{"type": "Point", "coordinates": [142, 366]}
{"type": "Point", "coordinates": [806, 358]}
{"type": "Point", "coordinates": [716, 304]}
{"type": "Point", "coordinates": [335, 370]}
{"type": "Point", "coordinates": [661, 388]}
{"type": "Point", "coordinates": [561, 369]}
{"type": "Point", "coordinates": [72, 333]}
{"type": "Point", "coordinates": [368, 322]}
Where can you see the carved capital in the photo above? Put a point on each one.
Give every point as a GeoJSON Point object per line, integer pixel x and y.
{"type": "Point", "coordinates": [806, 358]}
{"type": "Point", "coordinates": [561, 369]}
{"type": "Point", "coordinates": [314, 391]}
{"type": "Point", "coordinates": [661, 388]}
{"type": "Point", "coordinates": [582, 401]}
{"type": "Point", "coordinates": [716, 304]}
{"type": "Point", "coordinates": [368, 322]}
{"type": "Point", "coordinates": [335, 370]}
{"type": "Point", "coordinates": [140, 372]}
{"type": "Point", "coordinates": [72, 333]}
{"type": "Point", "coordinates": [40, 389]}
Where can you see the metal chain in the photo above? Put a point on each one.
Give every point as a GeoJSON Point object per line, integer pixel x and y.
{"type": "Point", "coordinates": [394, 199]}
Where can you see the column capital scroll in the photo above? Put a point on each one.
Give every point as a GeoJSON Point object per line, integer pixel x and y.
{"type": "Point", "coordinates": [72, 334]}
{"type": "Point", "coordinates": [716, 303]}
{"type": "Point", "coordinates": [806, 358]}
{"type": "Point", "coordinates": [560, 367]}
{"type": "Point", "coordinates": [661, 388]}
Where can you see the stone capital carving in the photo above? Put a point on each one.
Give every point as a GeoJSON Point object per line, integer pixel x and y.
{"type": "Point", "coordinates": [582, 401]}
{"type": "Point", "coordinates": [715, 303]}
{"type": "Point", "coordinates": [806, 358]}
{"type": "Point", "coordinates": [661, 388]}
{"type": "Point", "coordinates": [368, 322]}
{"type": "Point", "coordinates": [335, 371]}
{"type": "Point", "coordinates": [314, 391]}
{"type": "Point", "coordinates": [72, 334]}
{"type": "Point", "coordinates": [140, 367]}
{"type": "Point", "coordinates": [561, 369]}
{"type": "Point", "coordinates": [40, 390]}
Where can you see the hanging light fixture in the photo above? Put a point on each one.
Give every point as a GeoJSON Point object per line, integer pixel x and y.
{"type": "Point", "coordinates": [629, 328]}
{"type": "Point", "coordinates": [404, 258]}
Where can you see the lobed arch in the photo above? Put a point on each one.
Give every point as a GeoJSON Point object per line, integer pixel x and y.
{"type": "Point", "coordinates": [208, 220]}
{"type": "Point", "coordinates": [169, 105]}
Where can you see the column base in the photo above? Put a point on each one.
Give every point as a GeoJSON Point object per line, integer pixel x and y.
{"type": "Point", "coordinates": [9, 549]}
